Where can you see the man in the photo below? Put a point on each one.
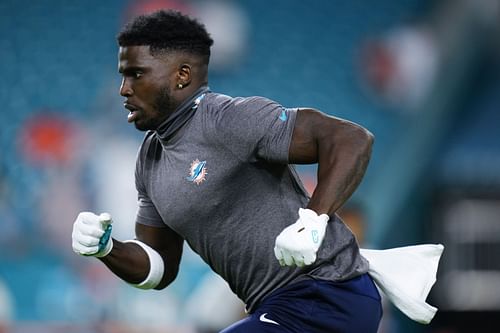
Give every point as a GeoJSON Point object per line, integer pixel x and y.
{"type": "Point", "coordinates": [215, 171]}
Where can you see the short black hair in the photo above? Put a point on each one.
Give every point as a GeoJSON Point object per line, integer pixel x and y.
{"type": "Point", "coordinates": [167, 30]}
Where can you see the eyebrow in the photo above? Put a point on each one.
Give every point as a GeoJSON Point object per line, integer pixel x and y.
{"type": "Point", "coordinates": [130, 69]}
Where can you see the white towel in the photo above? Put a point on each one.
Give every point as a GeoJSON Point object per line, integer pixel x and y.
{"type": "Point", "coordinates": [405, 275]}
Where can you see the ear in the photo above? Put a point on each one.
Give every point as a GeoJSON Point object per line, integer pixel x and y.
{"type": "Point", "coordinates": [184, 75]}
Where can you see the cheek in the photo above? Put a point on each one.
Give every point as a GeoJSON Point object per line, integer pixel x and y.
{"type": "Point", "coordinates": [163, 100]}
{"type": "Point", "coordinates": [147, 92]}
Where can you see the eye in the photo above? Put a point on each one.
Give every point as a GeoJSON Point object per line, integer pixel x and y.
{"type": "Point", "coordinates": [137, 75]}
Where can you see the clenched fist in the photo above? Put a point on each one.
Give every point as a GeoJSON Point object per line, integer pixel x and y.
{"type": "Point", "coordinates": [92, 234]}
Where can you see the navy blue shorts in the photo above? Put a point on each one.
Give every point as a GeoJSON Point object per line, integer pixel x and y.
{"type": "Point", "coordinates": [317, 306]}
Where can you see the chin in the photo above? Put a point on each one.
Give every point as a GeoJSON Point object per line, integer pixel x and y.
{"type": "Point", "coordinates": [146, 125]}
{"type": "Point", "coordinates": [142, 126]}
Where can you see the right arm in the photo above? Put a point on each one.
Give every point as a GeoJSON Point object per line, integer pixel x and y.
{"type": "Point", "coordinates": [129, 261]}
{"type": "Point", "coordinates": [150, 261]}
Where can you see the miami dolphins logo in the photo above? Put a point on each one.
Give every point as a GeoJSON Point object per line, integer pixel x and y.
{"type": "Point", "coordinates": [197, 172]}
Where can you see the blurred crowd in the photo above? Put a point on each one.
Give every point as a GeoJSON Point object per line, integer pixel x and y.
{"type": "Point", "coordinates": [423, 76]}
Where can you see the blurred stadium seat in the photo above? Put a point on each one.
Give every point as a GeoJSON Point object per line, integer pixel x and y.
{"type": "Point", "coordinates": [61, 56]}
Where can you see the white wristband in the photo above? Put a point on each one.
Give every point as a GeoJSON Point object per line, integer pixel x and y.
{"type": "Point", "coordinates": [156, 265]}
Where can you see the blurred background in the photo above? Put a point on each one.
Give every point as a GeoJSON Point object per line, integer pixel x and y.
{"type": "Point", "coordinates": [422, 75]}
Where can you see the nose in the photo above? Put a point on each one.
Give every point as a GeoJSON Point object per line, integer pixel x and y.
{"type": "Point", "coordinates": [125, 88]}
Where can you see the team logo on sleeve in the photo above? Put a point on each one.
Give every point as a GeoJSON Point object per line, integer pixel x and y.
{"type": "Point", "coordinates": [197, 172]}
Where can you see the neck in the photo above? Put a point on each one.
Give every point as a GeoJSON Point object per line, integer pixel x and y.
{"type": "Point", "coordinates": [181, 95]}
{"type": "Point", "coordinates": [181, 115]}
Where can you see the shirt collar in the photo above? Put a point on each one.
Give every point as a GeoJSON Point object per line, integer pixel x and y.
{"type": "Point", "coordinates": [181, 115]}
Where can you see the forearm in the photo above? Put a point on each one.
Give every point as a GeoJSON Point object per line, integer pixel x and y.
{"type": "Point", "coordinates": [128, 261]}
{"type": "Point", "coordinates": [131, 263]}
{"type": "Point", "coordinates": [150, 261]}
{"type": "Point", "coordinates": [341, 167]}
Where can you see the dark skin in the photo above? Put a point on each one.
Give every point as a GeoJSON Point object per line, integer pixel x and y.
{"type": "Point", "coordinates": [341, 148]}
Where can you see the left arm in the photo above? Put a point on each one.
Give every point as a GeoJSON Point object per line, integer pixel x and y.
{"type": "Point", "coordinates": [342, 150]}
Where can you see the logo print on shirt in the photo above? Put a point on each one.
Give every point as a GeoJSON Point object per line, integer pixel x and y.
{"type": "Point", "coordinates": [283, 115]}
{"type": "Point", "coordinates": [264, 319]}
{"type": "Point", "coordinates": [197, 172]}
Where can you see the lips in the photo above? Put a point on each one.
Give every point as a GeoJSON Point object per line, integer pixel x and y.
{"type": "Point", "coordinates": [133, 110]}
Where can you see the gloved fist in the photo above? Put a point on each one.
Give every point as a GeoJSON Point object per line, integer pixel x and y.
{"type": "Point", "coordinates": [298, 243]}
{"type": "Point", "coordinates": [91, 234]}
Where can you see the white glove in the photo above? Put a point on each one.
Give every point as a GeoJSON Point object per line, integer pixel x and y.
{"type": "Point", "coordinates": [91, 234]}
{"type": "Point", "coordinates": [298, 243]}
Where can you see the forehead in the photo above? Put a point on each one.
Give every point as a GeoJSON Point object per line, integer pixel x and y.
{"type": "Point", "coordinates": [136, 56]}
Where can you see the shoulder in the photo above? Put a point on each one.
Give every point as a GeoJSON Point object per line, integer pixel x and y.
{"type": "Point", "coordinates": [217, 102]}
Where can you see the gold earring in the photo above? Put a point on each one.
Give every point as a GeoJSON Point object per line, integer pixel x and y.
{"type": "Point", "coordinates": [180, 86]}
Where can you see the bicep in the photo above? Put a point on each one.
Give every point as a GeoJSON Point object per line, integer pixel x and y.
{"type": "Point", "coordinates": [304, 144]}
{"type": "Point", "coordinates": [316, 133]}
